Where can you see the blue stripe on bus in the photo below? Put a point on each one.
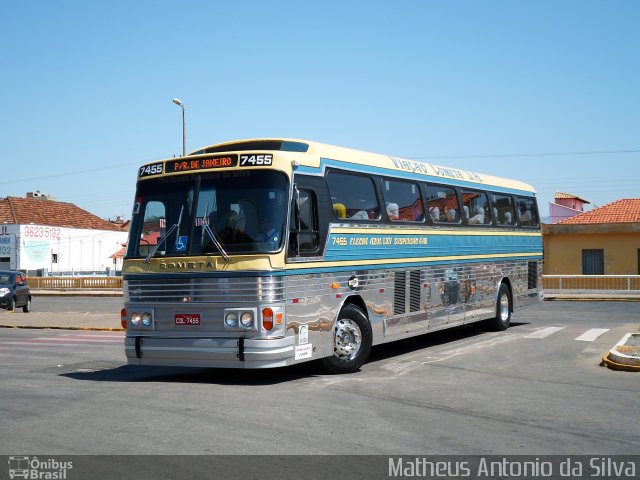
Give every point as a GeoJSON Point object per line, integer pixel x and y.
{"type": "Point", "coordinates": [350, 268]}
{"type": "Point", "coordinates": [327, 162]}
{"type": "Point", "coordinates": [345, 247]}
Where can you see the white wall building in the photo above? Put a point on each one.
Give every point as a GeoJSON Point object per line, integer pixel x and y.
{"type": "Point", "coordinates": [40, 235]}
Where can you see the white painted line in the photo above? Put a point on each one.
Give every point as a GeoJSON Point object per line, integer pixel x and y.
{"type": "Point", "coordinates": [591, 335]}
{"type": "Point", "coordinates": [545, 332]}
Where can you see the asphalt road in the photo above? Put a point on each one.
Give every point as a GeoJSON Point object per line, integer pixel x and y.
{"type": "Point", "coordinates": [535, 389]}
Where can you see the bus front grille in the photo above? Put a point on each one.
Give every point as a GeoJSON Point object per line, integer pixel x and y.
{"type": "Point", "coordinates": [225, 289]}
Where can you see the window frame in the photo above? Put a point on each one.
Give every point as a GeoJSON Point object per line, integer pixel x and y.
{"type": "Point", "coordinates": [348, 219]}
{"type": "Point", "coordinates": [535, 214]}
{"type": "Point", "coordinates": [458, 209]}
{"type": "Point", "coordinates": [495, 212]}
{"type": "Point", "coordinates": [488, 202]}
{"type": "Point", "coordinates": [387, 202]}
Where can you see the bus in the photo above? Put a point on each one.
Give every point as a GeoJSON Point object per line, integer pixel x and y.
{"type": "Point", "coordinates": [270, 252]}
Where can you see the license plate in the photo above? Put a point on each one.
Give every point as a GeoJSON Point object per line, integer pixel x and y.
{"type": "Point", "coordinates": [186, 319]}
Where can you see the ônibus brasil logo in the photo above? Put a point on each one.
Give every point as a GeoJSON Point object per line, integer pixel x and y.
{"type": "Point", "coordinates": [35, 469]}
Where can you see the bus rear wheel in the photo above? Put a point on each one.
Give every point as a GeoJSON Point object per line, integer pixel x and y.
{"type": "Point", "coordinates": [352, 340]}
{"type": "Point", "coordinates": [503, 310]}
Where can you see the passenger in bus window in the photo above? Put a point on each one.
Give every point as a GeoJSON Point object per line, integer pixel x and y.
{"type": "Point", "coordinates": [393, 211]}
{"type": "Point", "coordinates": [507, 218]}
{"type": "Point", "coordinates": [340, 210]}
{"type": "Point", "coordinates": [435, 214]}
{"type": "Point", "coordinates": [478, 218]}
{"type": "Point", "coordinates": [452, 215]}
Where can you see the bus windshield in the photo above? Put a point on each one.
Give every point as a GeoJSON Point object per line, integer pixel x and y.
{"type": "Point", "coordinates": [216, 213]}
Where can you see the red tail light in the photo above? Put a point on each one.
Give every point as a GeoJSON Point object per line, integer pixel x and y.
{"type": "Point", "coordinates": [267, 318]}
{"type": "Point", "coordinates": [123, 318]}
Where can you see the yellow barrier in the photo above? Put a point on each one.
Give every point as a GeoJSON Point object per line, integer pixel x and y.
{"type": "Point", "coordinates": [75, 282]}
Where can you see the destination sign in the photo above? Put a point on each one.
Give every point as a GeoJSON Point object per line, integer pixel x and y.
{"type": "Point", "coordinates": [218, 161]}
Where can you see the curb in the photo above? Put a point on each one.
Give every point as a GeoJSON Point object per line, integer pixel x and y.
{"type": "Point", "coordinates": [53, 327]}
{"type": "Point", "coordinates": [74, 293]}
{"type": "Point", "coordinates": [619, 366]}
{"type": "Point", "coordinates": [561, 298]}
{"type": "Point", "coordinates": [625, 355]}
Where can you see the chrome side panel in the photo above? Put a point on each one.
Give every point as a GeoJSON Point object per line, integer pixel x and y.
{"type": "Point", "coordinates": [406, 302]}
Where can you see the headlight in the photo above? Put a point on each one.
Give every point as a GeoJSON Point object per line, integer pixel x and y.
{"type": "Point", "coordinates": [231, 319]}
{"type": "Point", "coordinates": [146, 319]}
{"type": "Point", "coordinates": [4, 291]}
{"type": "Point", "coordinates": [135, 319]}
{"type": "Point", "coordinates": [246, 320]}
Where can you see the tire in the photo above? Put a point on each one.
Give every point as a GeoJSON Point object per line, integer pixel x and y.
{"type": "Point", "coordinates": [26, 308]}
{"type": "Point", "coordinates": [503, 310]}
{"type": "Point", "coordinates": [12, 304]}
{"type": "Point", "coordinates": [352, 340]}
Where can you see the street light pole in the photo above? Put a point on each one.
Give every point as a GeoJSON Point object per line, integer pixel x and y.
{"type": "Point", "coordinates": [184, 131]}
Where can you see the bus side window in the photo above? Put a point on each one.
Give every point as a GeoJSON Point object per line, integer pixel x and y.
{"type": "Point", "coordinates": [353, 196]}
{"type": "Point", "coordinates": [503, 210]}
{"type": "Point", "coordinates": [305, 237]}
{"type": "Point", "coordinates": [527, 211]}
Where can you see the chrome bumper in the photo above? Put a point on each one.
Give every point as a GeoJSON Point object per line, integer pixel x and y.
{"type": "Point", "coordinates": [209, 352]}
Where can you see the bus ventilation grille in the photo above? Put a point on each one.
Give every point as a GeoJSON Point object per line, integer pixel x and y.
{"type": "Point", "coordinates": [399, 293]}
{"type": "Point", "coordinates": [414, 291]}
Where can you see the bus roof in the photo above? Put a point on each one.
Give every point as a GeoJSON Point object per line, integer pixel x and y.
{"type": "Point", "coordinates": [316, 155]}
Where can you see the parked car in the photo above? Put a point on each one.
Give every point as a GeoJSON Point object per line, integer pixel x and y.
{"type": "Point", "coordinates": [14, 291]}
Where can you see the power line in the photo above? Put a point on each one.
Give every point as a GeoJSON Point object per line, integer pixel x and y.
{"type": "Point", "coordinates": [543, 154]}
{"type": "Point", "coordinates": [68, 174]}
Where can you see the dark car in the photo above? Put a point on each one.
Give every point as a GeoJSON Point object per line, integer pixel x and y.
{"type": "Point", "coordinates": [14, 291]}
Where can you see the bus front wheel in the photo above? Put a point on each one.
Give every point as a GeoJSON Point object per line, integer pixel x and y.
{"type": "Point", "coordinates": [503, 310]}
{"type": "Point", "coordinates": [352, 340]}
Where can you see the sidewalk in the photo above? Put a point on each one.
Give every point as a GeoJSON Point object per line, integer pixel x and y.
{"type": "Point", "coordinates": [593, 295]}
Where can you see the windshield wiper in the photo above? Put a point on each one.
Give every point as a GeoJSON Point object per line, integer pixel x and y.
{"type": "Point", "coordinates": [213, 235]}
{"type": "Point", "coordinates": [162, 239]}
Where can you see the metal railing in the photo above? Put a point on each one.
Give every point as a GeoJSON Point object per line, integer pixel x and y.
{"type": "Point", "coordinates": [75, 282]}
{"type": "Point", "coordinates": [591, 282]}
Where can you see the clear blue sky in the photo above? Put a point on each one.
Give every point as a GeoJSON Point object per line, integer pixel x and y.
{"type": "Point", "coordinates": [480, 85]}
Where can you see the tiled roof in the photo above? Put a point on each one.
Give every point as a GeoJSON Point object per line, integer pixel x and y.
{"type": "Point", "coordinates": [568, 195]}
{"type": "Point", "coordinates": [25, 211]}
{"type": "Point", "coordinates": [626, 210]}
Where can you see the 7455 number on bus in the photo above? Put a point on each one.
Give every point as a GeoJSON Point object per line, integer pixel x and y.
{"type": "Point", "coordinates": [254, 160]}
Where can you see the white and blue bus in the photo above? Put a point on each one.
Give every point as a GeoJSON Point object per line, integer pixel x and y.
{"type": "Point", "coordinates": [270, 252]}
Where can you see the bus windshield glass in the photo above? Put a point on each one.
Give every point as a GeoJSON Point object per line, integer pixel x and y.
{"type": "Point", "coordinates": [216, 213]}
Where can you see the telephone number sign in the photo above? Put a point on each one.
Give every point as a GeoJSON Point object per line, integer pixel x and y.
{"type": "Point", "coordinates": [41, 232]}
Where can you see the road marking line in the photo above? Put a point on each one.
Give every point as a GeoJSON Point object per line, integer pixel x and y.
{"type": "Point", "coordinates": [545, 332]}
{"type": "Point", "coordinates": [591, 335]}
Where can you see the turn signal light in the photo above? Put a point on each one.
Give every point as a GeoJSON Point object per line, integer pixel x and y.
{"type": "Point", "coordinates": [123, 318]}
{"type": "Point", "coordinates": [267, 318]}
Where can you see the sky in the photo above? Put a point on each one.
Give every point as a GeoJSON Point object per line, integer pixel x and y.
{"type": "Point", "coordinates": [547, 92]}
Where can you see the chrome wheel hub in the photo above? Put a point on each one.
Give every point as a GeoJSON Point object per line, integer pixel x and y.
{"type": "Point", "coordinates": [347, 338]}
{"type": "Point", "coordinates": [504, 307]}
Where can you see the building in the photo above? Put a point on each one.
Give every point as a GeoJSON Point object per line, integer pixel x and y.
{"type": "Point", "coordinates": [602, 241]}
{"type": "Point", "coordinates": [39, 235]}
{"type": "Point", "coordinates": [566, 205]}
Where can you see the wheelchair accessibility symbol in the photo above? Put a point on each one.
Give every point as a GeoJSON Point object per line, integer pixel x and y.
{"type": "Point", "coordinates": [181, 243]}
